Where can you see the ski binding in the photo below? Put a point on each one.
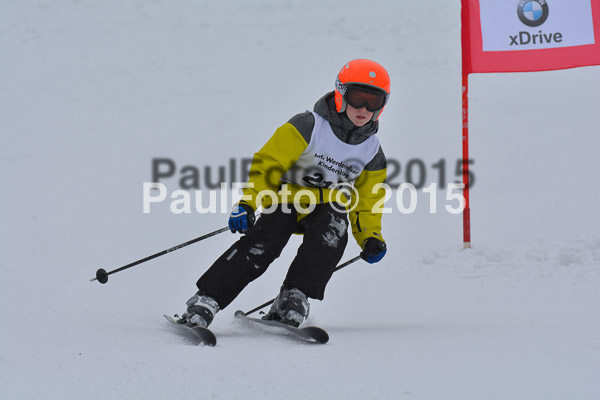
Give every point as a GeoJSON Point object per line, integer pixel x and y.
{"type": "Point", "coordinates": [311, 334]}
{"type": "Point", "coordinates": [195, 333]}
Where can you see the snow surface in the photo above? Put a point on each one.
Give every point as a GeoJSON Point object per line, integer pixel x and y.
{"type": "Point", "coordinates": [92, 91]}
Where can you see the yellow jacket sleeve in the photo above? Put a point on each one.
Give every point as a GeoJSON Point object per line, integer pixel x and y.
{"type": "Point", "coordinates": [365, 218]}
{"type": "Point", "coordinates": [272, 161]}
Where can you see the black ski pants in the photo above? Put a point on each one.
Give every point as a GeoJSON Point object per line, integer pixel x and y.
{"type": "Point", "coordinates": [325, 238]}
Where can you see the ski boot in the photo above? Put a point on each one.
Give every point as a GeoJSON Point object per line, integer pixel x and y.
{"type": "Point", "coordinates": [290, 307]}
{"type": "Point", "coordinates": [200, 311]}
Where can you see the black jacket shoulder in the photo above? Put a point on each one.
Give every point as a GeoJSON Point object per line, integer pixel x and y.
{"type": "Point", "coordinates": [378, 162]}
{"type": "Point", "coordinates": [305, 123]}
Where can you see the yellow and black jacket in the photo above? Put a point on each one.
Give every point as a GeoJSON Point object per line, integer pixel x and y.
{"type": "Point", "coordinates": [285, 147]}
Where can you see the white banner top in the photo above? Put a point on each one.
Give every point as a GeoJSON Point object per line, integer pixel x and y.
{"type": "Point", "coordinates": [512, 25]}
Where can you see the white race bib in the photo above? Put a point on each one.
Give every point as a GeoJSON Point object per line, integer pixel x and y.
{"type": "Point", "coordinates": [328, 161]}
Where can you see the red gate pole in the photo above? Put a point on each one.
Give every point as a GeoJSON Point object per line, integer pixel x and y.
{"type": "Point", "coordinates": [465, 161]}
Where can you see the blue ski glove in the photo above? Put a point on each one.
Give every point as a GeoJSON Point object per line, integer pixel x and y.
{"type": "Point", "coordinates": [373, 250]}
{"type": "Point", "coordinates": [241, 218]}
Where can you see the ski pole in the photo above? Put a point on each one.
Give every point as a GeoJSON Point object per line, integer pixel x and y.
{"type": "Point", "coordinates": [268, 303]}
{"type": "Point", "coordinates": [102, 275]}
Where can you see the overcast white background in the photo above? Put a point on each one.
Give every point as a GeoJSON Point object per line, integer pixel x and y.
{"type": "Point", "coordinates": [92, 91]}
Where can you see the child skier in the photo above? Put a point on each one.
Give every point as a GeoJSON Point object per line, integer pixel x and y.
{"type": "Point", "coordinates": [304, 167]}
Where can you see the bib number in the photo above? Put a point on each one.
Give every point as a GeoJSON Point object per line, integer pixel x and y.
{"type": "Point", "coordinates": [317, 180]}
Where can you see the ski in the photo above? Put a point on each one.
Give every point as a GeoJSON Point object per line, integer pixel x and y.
{"type": "Point", "coordinates": [311, 334]}
{"type": "Point", "coordinates": [196, 334]}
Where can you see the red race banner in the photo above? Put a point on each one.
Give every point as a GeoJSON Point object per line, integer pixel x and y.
{"type": "Point", "coordinates": [522, 36]}
{"type": "Point", "coordinates": [529, 35]}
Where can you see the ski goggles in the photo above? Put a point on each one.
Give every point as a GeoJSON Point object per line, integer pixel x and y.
{"type": "Point", "coordinates": [360, 96]}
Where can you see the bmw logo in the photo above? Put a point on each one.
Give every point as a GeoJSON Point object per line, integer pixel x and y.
{"type": "Point", "coordinates": [533, 12]}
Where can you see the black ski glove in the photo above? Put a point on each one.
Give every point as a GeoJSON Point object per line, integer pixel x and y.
{"type": "Point", "coordinates": [374, 250]}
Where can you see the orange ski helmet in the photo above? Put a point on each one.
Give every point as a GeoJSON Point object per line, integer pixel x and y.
{"type": "Point", "coordinates": [361, 73]}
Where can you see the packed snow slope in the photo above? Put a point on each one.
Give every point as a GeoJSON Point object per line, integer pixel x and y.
{"type": "Point", "coordinates": [92, 91]}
